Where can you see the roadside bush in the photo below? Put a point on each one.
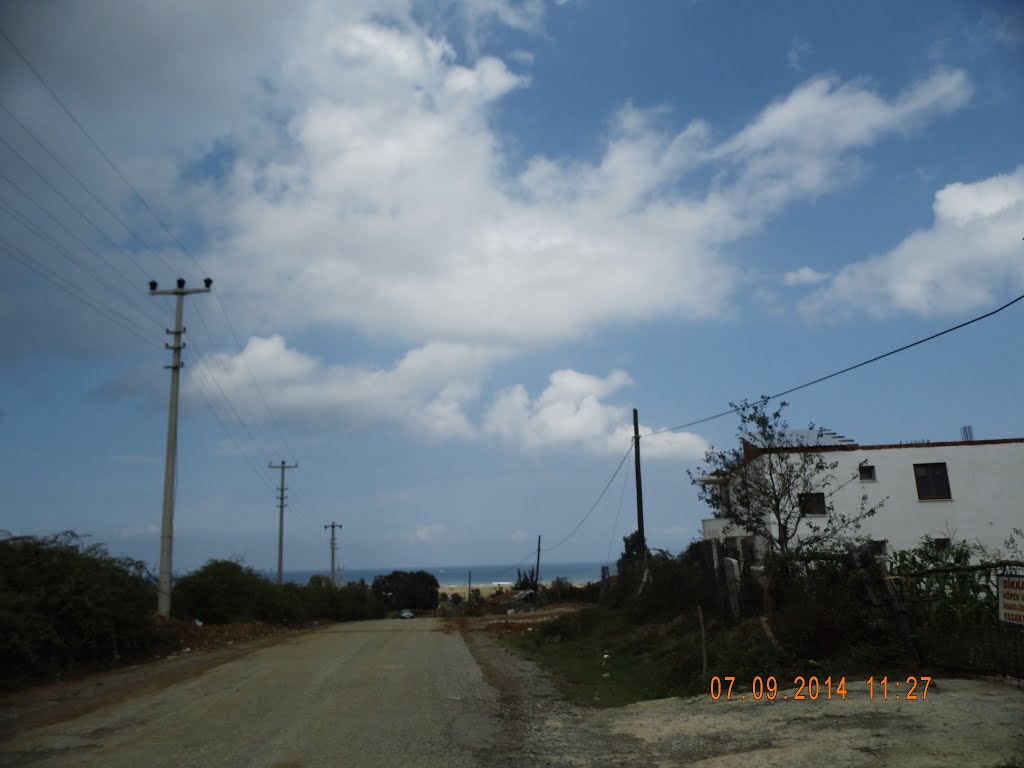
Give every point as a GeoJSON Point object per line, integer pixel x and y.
{"type": "Point", "coordinates": [223, 591]}
{"type": "Point", "coordinates": [403, 589]}
{"type": "Point", "coordinates": [525, 579]}
{"type": "Point", "coordinates": [357, 601]}
{"type": "Point", "coordinates": [674, 584]}
{"type": "Point", "coordinates": [66, 605]}
{"type": "Point", "coordinates": [320, 598]}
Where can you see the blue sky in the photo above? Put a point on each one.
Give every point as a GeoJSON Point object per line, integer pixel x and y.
{"type": "Point", "coordinates": [454, 244]}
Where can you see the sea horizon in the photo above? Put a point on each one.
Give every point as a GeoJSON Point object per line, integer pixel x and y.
{"type": "Point", "coordinates": [458, 575]}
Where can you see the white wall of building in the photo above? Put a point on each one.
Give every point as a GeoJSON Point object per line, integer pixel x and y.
{"type": "Point", "coordinates": [986, 482]}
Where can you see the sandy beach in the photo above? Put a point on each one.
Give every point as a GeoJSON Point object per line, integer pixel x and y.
{"type": "Point", "coordinates": [486, 590]}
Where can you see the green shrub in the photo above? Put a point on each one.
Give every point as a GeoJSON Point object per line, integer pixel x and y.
{"type": "Point", "coordinates": [223, 591]}
{"type": "Point", "coordinates": [65, 605]}
{"type": "Point", "coordinates": [403, 589]}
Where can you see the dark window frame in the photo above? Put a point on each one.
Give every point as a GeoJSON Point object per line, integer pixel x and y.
{"type": "Point", "coordinates": [873, 476]}
{"type": "Point", "coordinates": [810, 503]}
{"type": "Point", "coordinates": [932, 481]}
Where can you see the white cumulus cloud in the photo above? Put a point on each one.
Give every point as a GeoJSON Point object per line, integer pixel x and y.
{"type": "Point", "coordinates": [571, 414]}
{"type": "Point", "coordinates": [804, 276]}
{"type": "Point", "coordinates": [425, 390]}
{"type": "Point", "coordinates": [970, 254]}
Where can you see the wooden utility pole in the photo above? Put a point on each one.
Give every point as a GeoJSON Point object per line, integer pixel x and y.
{"type": "Point", "coordinates": [280, 525]}
{"type": "Point", "coordinates": [334, 548]}
{"type": "Point", "coordinates": [639, 484]}
{"type": "Point", "coordinates": [469, 589]}
{"type": "Point", "coordinates": [163, 599]}
{"type": "Point", "coordinates": [536, 571]}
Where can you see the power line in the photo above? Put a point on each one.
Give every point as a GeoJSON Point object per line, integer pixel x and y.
{"type": "Point", "coordinates": [618, 514]}
{"type": "Point", "coordinates": [33, 229]}
{"type": "Point", "coordinates": [227, 432]}
{"type": "Point", "coordinates": [67, 111]}
{"type": "Point", "coordinates": [117, 318]}
{"type": "Point", "coordinates": [220, 403]}
{"type": "Point", "coordinates": [590, 511]}
{"type": "Point", "coordinates": [875, 359]}
{"type": "Point", "coordinates": [122, 295]}
{"type": "Point", "coordinates": [149, 208]}
{"type": "Point", "coordinates": [255, 438]}
{"type": "Point", "coordinates": [85, 188]}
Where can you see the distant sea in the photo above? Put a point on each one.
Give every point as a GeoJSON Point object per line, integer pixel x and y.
{"type": "Point", "coordinates": [458, 575]}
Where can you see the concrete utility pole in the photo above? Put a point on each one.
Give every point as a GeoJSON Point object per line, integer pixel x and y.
{"type": "Point", "coordinates": [280, 525]}
{"type": "Point", "coordinates": [163, 604]}
{"type": "Point", "coordinates": [334, 548]}
{"type": "Point", "coordinates": [639, 484]}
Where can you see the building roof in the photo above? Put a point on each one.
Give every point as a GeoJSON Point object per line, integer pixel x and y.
{"type": "Point", "coordinates": [752, 451]}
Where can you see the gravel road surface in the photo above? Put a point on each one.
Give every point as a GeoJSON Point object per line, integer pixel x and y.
{"type": "Point", "coordinates": [381, 693]}
{"type": "Point", "coordinates": [415, 693]}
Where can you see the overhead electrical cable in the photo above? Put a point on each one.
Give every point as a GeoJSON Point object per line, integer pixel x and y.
{"type": "Point", "coordinates": [875, 359]}
{"type": "Point", "coordinates": [115, 317]}
{"type": "Point", "coordinates": [152, 212]}
{"type": "Point", "coordinates": [594, 505]}
{"type": "Point", "coordinates": [85, 188]}
{"type": "Point", "coordinates": [128, 296]}
{"type": "Point", "coordinates": [618, 514]}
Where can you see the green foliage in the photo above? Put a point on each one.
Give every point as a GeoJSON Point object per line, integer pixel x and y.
{"type": "Point", "coordinates": [66, 605]}
{"type": "Point", "coordinates": [223, 591]}
{"type": "Point", "coordinates": [561, 590]}
{"type": "Point", "coordinates": [946, 599]}
{"type": "Point", "coordinates": [599, 657]}
{"type": "Point", "coordinates": [558, 591]}
{"type": "Point", "coordinates": [355, 601]}
{"type": "Point", "coordinates": [757, 487]}
{"type": "Point", "coordinates": [525, 579]}
{"type": "Point", "coordinates": [417, 590]}
{"type": "Point", "coordinates": [1014, 544]}
{"type": "Point", "coordinates": [630, 566]}
{"type": "Point", "coordinates": [673, 584]}
{"type": "Point", "coordinates": [826, 609]}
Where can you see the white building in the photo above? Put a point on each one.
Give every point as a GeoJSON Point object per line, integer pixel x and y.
{"type": "Point", "coordinates": [967, 490]}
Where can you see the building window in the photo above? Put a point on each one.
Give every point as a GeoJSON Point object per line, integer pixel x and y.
{"type": "Point", "coordinates": [867, 473]}
{"type": "Point", "coordinates": [812, 504]}
{"type": "Point", "coordinates": [932, 481]}
{"type": "Point", "coordinates": [723, 497]}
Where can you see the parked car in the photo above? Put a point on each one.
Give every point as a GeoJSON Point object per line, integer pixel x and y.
{"type": "Point", "coordinates": [405, 613]}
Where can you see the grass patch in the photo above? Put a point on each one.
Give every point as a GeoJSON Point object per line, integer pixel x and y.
{"type": "Point", "coordinates": [573, 647]}
{"type": "Point", "coordinates": [643, 662]}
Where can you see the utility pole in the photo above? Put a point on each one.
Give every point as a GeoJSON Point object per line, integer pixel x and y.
{"type": "Point", "coordinates": [639, 484]}
{"type": "Point", "coordinates": [280, 525]}
{"type": "Point", "coordinates": [163, 604]}
{"type": "Point", "coordinates": [469, 589]}
{"type": "Point", "coordinates": [334, 548]}
{"type": "Point", "coordinates": [536, 571]}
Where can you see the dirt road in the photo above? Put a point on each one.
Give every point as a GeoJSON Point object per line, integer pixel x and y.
{"type": "Point", "coordinates": [376, 693]}
{"type": "Point", "coordinates": [409, 693]}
